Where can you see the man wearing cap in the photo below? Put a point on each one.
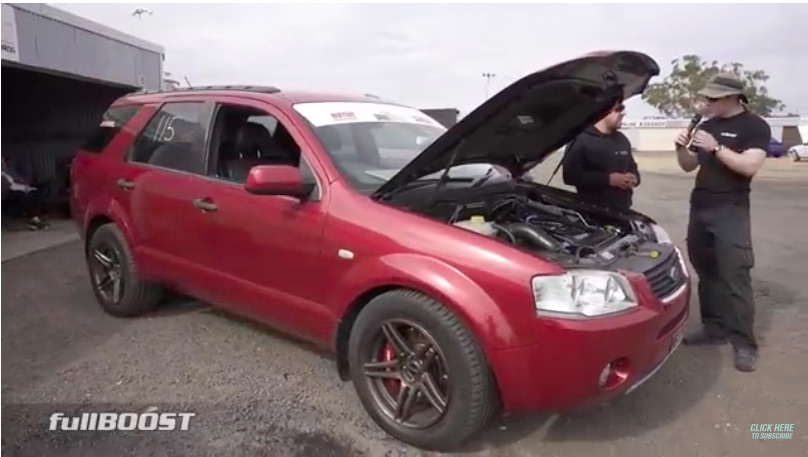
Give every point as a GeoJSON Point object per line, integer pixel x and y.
{"type": "Point", "coordinates": [599, 162]}
{"type": "Point", "coordinates": [731, 147]}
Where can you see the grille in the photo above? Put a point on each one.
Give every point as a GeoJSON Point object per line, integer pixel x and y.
{"type": "Point", "coordinates": [666, 276]}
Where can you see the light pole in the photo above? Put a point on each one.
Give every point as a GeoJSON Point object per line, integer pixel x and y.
{"type": "Point", "coordinates": [488, 77]}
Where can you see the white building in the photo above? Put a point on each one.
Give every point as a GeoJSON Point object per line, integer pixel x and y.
{"type": "Point", "coordinates": [659, 134]}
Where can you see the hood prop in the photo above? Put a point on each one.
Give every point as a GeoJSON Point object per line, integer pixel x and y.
{"type": "Point", "coordinates": [444, 177]}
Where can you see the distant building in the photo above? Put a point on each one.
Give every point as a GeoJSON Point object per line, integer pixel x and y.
{"type": "Point", "coordinates": [659, 134]}
{"type": "Point", "coordinates": [446, 116]}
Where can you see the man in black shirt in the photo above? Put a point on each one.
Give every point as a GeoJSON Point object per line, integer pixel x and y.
{"type": "Point", "coordinates": [731, 147]}
{"type": "Point", "coordinates": [600, 165]}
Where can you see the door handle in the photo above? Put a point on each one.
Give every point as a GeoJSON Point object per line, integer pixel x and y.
{"type": "Point", "coordinates": [205, 205]}
{"type": "Point", "coordinates": [125, 184]}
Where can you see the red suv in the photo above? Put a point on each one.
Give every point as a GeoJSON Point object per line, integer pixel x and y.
{"type": "Point", "coordinates": [448, 284]}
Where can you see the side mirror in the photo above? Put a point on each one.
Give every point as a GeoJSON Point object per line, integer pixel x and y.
{"type": "Point", "coordinates": [277, 180]}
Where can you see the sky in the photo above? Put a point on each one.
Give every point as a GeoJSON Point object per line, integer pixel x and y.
{"type": "Point", "coordinates": [434, 56]}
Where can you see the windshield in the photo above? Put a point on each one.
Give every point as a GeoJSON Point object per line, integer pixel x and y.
{"type": "Point", "coordinates": [370, 142]}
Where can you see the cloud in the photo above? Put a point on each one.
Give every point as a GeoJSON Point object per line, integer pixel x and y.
{"type": "Point", "coordinates": [434, 55]}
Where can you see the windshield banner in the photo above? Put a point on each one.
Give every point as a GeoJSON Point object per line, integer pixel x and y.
{"type": "Point", "coordinates": [332, 113]}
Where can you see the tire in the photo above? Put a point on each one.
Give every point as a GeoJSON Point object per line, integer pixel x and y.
{"type": "Point", "coordinates": [794, 156]}
{"type": "Point", "coordinates": [458, 369]}
{"type": "Point", "coordinates": [108, 257]}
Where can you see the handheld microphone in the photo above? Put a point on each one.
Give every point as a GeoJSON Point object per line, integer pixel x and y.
{"type": "Point", "coordinates": [691, 129]}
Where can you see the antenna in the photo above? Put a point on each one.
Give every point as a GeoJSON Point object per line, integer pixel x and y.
{"type": "Point", "coordinates": [140, 12]}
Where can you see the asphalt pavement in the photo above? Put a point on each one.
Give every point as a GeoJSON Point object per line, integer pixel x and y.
{"type": "Point", "coordinates": [257, 393]}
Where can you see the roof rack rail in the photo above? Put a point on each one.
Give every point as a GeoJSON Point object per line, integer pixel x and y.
{"type": "Point", "coordinates": [257, 89]}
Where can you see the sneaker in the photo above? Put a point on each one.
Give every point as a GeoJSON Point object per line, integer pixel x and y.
{"type": "Point", "coordinates": [746, 359]}
{"type": "Point", "coordinates": [36, 223]}
{"type": "Point", "coordinates": [704, 337]}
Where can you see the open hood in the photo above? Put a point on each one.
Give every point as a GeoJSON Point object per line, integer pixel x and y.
{"type": "Point", "coordinates": [533, 117]}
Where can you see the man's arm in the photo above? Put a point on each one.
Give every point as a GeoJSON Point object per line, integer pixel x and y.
{"type": "Point", "coordinates": [687, 160]}
{"type": "Point", "coordinates": [635, 170]}
{"type": "Point", "coordinates": [749, 161]}
{"type": "Point", "coordinates": [575, 173]}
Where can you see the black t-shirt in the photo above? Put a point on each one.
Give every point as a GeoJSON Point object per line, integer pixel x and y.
{"type": "Point", "coordinates": [716, 184]}
{"type": "Point", "coordinates": [589, 160]}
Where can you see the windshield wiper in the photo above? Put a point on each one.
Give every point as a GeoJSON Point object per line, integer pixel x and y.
{"type": "Point", "coordinates": [484, 178]}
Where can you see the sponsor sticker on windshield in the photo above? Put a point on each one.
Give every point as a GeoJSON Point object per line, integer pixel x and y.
{"type": "Point", "coordinates": [423, 120]}
{"type": "Point", "coordinates": [331, 113]}
{"type": "Point", "coordinates": [386, 116]}
{"type": "Point", "coordinates": [343, 116]}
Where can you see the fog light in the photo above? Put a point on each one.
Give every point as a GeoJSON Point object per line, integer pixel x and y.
{"type": "Point", "coordinates": [605, 375]}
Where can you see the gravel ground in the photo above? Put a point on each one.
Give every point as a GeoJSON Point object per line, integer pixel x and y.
{"type": "Point", "coordinates": [257, 393]}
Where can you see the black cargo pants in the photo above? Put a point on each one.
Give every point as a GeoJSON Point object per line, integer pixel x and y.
{"type": "Point", "coordinates": [719, 243]}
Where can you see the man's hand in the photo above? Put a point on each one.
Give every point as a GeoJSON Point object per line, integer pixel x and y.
{"type": "Point", "coordinates": [683, 138]}
{"type": "Point", "coordinates": [622, 180]}
{"type": "Point", "coordinates": [704, 141]}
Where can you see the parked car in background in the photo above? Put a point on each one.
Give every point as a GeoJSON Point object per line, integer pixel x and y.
{"type": "Point", "coordinates": [798, 152]}
{"type": "Point", "coordinates": [776, 148]}
{"type": "Point", "coordinates": [448, 284]}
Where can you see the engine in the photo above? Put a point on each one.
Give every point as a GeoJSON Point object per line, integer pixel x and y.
{"type": "Point", "coordinates": [549, 229]}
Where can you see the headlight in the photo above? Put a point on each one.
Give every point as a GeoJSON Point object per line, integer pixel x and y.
{"type": "Point", "coordinates": [682, 262]}
{"type": "Point", "coordinates": [661, 235]}
{"type": "Point", "coordinates": [583, 293]}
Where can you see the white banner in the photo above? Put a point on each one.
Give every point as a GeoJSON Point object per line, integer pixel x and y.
{"type": "Point", "coordinates": [331, 113]}
{"type": "Point", "coordinates": [10, 49]}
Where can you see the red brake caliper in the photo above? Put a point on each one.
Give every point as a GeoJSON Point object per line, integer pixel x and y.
{"type": "Point", "coordinates": [388, 354]}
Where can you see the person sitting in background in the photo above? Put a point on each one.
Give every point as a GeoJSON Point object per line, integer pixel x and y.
{"type": "Point", "coordinates": [21, 198]}
{"type": "Point", "coordinates": [600, 165]}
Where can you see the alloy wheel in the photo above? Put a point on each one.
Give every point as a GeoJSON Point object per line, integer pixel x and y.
{"type": "Point", "coordinates": [107, 271]}
{"type": "Point", "coordinates": [407, 374]}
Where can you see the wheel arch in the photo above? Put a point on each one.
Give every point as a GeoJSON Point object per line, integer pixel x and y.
{"type": "Point", "coordinates": [105, 213]}
{"type": "Point", "coordinates": [475, 309]}
{"type": "Point", "coordinates": [94, 224]}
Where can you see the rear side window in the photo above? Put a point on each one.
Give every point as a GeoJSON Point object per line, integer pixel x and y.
{"type": "Point", "coordinates": [174, 138]}
{"type": "Point", "coordinates": [111, 123]}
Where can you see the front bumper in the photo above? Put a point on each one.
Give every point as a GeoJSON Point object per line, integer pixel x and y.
{"type": "Point", "coordinates": [562, 371]}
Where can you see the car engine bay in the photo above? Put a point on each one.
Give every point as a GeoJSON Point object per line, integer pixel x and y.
{"type": "Point", "coordinates": [553, 231]}
{"type": "Point", "coordinates": [554, 224]}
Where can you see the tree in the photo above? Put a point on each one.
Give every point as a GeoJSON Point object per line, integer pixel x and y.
{"type": "Point", "coordinates": [676, 95]}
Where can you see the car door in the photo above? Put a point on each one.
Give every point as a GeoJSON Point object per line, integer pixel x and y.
{"type": "Point", "coordinates": [266, 250]}
{"type": "Point", "coordinates": [166, 168]}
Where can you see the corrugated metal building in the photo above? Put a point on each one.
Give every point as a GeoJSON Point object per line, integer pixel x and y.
{"type": "Point", "coordinates": [60, 72]}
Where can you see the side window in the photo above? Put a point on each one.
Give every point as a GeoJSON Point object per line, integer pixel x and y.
{"type": "Point", "coordinates": [112, 122]}
{"type": "Point", "coordinates": [266, 120]}
{"type": "Point", "coordinates": [174, 138]}
{"type": "Point", "coordinates": [244, 137]}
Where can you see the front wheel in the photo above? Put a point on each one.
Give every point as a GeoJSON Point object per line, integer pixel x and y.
{"type": "Point", "coordinates": [794, 156]}
{"type": "Point", "coordinates": [419, 372]}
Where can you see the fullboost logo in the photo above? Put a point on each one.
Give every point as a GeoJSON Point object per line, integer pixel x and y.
{"type": "Point", "coordinates": [772, 431]}
{"type": "Point", "coordinates": [121, 421]}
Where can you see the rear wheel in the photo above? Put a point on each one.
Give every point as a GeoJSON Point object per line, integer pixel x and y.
{"type": "Point", "coordinates": [114, 277]}
{"type": "Point", "coordinates": [418, 371]}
